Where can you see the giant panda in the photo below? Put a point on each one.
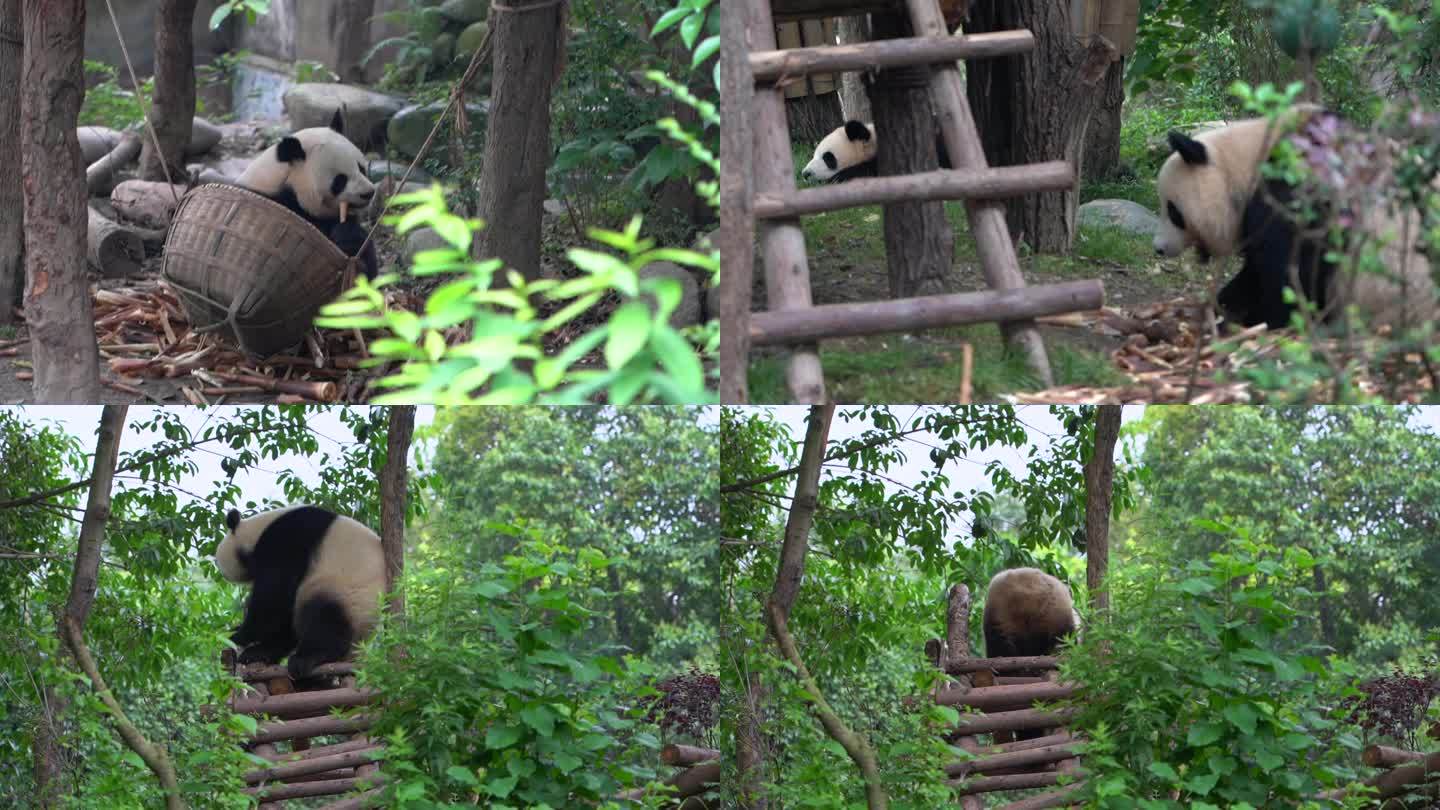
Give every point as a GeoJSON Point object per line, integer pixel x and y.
{"type": "Point", "coordinates": [1212, 198]}
{"type": "Point", "coordinates": [311, 172]}
{"type": "Point", "coordinates": [1027, 612]}
{"type": "Point", "coordinates": [315, 578]}
{"type": "Point", "coordinates": [849, 151]}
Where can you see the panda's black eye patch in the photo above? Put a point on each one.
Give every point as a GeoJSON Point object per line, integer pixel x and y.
{"type": "Point", "coordinates": [1175, 216]}
{"type": "Point", "coordinates": [338, 184]}
{"type": "Point", "coordinates": [830, 161]}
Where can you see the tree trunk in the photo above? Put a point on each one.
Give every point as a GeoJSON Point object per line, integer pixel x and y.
{"type": "Point", "coordinates": [854, 100]}
{"type": "Point", "coordinates": [1036, 106]}
{"type": "Point", "coordinates": [751, 760]}
{"type": "Point", "coordinates": [352, 31]}
{"type": "Point", "coordinates": [919, 243]}
{"type": "Point", "coordinates": [174, 109]}
{"type": "Point", "coordinates": [811, 118]}
{"type": "Point", "coordinates": [45, 750]}
{"type": "Point", "coordinates": [58, 308]}
{"type": "Point", "coordinates": [1099, 483]}
{"type": "Point", "coordinates": [394, 497]}
{"type": "Point", "coordinates": [1102, 141]}
{"type": "Point", "coordinates": [12, 202]}
{"type": "Point", "coordinates": [529, 56]}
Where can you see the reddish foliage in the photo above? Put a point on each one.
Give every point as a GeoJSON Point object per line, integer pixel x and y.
{"type": "Point", "coordinates": [687, 704]}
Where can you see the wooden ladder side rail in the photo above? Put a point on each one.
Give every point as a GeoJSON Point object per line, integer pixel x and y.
{"type": "Point", "coordinates": [941, 184]}
{"type": "Point", "coordinates": [987, 218]}
{"type": "Point", "coordinates": [782, 242]}
{"type": "Point", "coordinates": [737, 227]}
{"type": "Point", "coordinates": [923, 312]}
{"type": "Point", "coordinates": [772, 66]}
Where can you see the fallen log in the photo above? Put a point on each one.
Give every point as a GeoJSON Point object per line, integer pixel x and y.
{"type": "Point", "coordinates": [1383, 756]}
{"type": "Point", "coordinates": [149, 203]}
{"type": "Point", "coordinates": [276, 793]}
{"type": "Point", "coordinates": [365, 799]}
{"type": "Point", "coordinates": [277, 730]}
{"type": "Point", "coordinates": [313, 765]}
{"type": "Point", "coordinates": [687, 754]}
{"type": "Point", "coordinates": [302, 703]}
{"type": "Point", "coordinates": [1011, 760]}
{"type": "Point", "coordinates": [990, 698]}
{"type": "Point", "coordinates": [1018, 720]}
{"type": "Point", "coordinates": [100, 175]}
{"type": "Point", "coordinates": [114, 250]}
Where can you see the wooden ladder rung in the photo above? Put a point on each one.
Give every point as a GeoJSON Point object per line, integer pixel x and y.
{"type": "Point", "coordinates": [771, 66]}
{"type": "Point", "coordinates": [810, 324]}
{"type": "Point", "coordinates": [941, 184]}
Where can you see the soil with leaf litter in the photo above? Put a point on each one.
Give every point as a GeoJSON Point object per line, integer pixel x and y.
{"type": "Point", "coordinates": [148, 352]}
{"type": "Point", "coordinates": [1168, 352]}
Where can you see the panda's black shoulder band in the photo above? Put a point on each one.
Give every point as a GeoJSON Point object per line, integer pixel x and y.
{"type": "Point", "coordinates": [289, 150]}
{"type": "Point", "coordinates": [1190, 150]}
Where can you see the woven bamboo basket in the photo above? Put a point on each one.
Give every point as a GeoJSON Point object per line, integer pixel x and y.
{"type": "Point", "coordinates": [248, 268]}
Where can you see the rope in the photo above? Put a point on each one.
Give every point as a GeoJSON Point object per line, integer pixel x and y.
{"type": "Point", "coordinates": [524, 7]}
{"type": "Point", "coordinates": [144, 107]}
{"type": "Point", "coordinates": [481, 53]}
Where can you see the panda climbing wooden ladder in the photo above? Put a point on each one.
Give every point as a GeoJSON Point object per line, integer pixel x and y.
{"type": "Point", "coordinates": [777, 203]}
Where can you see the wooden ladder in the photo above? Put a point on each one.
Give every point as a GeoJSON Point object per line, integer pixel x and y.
{"type": "Point", "coordinates": [778, 204]}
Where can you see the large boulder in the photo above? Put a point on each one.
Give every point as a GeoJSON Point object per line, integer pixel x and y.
{"type": "Point", "coordinates": [1128, 216]}
{"type": "Point", "coordinates": [688, 312]}
{"type": "Point", "coordinates": [465, 12]}
{"type": "Point", "coordinates": [408, 129]}
{"type": "Point", "coordinates": [204, 136]}
{"type": "Point", "coordinates": [470, 39]}
{"type": "Point", "coordinates": [366, 112]}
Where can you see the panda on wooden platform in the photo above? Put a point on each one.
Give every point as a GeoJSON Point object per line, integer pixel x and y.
{"type": "Point", "coordinates": [849, 151]}
{"type": "Point", "coordinates": [1027, 612]}
{"type": "Point", "coordinates": [315, 578]}
{"type": "Point", "coordinates": [311, 172]}
{"type": "Point", "coordinates": [1213, 198]}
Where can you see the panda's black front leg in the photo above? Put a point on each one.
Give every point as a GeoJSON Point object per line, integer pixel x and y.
{"type": "Point", "coordinates": [267, 632]}
{"type": "Point", "coordinates": [350, 237]}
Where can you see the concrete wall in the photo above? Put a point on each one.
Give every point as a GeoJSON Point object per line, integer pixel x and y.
{"type": "Point", "coordinates": [294, 30]}
{"type": "Point", "coordinates": [137, 26]}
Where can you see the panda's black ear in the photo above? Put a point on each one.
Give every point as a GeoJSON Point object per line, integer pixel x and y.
{"type": "Point", "coordinates": [289, 150]}
{"type": "Point", "coordinates": [856, 131]}
{"type": "Point", "coordinates": [232, 519]}
{"type": "Point", "coordinates": [337, 121]}
{"type": "Point", "coordinates": [1190, 150]}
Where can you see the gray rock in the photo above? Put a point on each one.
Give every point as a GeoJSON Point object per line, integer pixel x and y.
{"type": "Point", "coordinates": [470, 39]}
{"type": "Point", "coordinates": [366, 112]}
{"type": "Point", "coordinates": [96, 142]}
{"type": "Point", "coordinates": [442, 50]}
{"type": "Point", "coordinates": [408, 129]}
{"type": "Point", "coordinates": [422, 239]}
{"type": "Point", "coordinates": [465, 11]}
{"type": "Point", "coordinates": [688, 312]}
{"type": "Point", "coordinates": [554, 207]}
{"type": "Point", "coordinates": [204, 136]}
{"type": "Point", "coordinates": [380, 169]}
{"type": "Point", "coordinates": [1128, 216]}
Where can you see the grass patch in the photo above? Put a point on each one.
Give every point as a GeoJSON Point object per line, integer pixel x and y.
{"type": "Point", "coordinates": [855, 234]}
{"type": "Point", "coordinates": [1111, 244]}
{"type": "Point", "coordinates": [894, 368]}
{"type": "Point", "coordinates": [1135, 190]}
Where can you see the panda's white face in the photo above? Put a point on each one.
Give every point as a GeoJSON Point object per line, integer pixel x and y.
{"type": "Point", "coordinates": [845, 148]}
{"type": "Point", "coordinates": [320, 165]}
{"type": "Point", "coordinates": [240, 538]}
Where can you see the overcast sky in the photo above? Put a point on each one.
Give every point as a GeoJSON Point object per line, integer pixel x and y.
{"type": "Point", "coordinates": [969, 473]}
{"type": "Point", "coordinates": [258, 483]}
